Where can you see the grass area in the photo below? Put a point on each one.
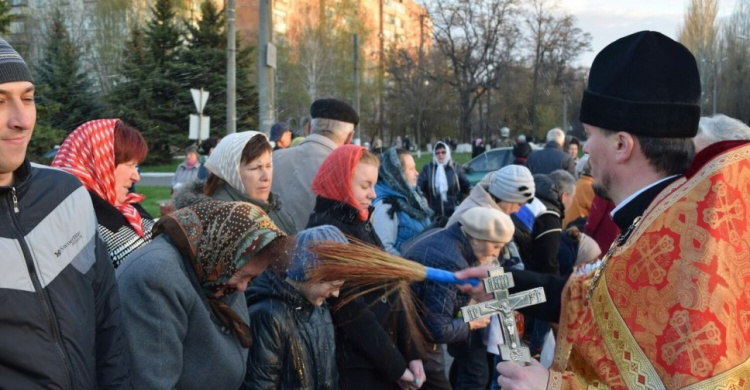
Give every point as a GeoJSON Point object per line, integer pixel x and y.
{"type": "Point", "coordinates": [162, 168]}
{"type": "Point", "coordinates": [154, 195]}
{"type": "Point", "coordinates": [459, 158]}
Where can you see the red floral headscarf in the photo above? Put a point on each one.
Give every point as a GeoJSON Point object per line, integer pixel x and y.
{"type": "Point", "coordinates": [89, 154]}
{"type": "Point", "coordinates": [334, 177]}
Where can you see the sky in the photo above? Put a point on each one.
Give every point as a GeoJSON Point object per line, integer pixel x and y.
{"type": "Point", "coordinates": [608, 20]}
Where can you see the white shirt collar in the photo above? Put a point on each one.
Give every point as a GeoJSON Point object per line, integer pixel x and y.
{"type": "Point", "coordinates": [631, 197]}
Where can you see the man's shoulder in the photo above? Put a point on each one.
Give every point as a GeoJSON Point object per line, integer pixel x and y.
{"type": "Point", "coordinates": [41, 173]}
{"type": "Point", "coordinates": [305, 153]}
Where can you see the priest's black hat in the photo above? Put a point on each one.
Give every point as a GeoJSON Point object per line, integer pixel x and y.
{"type": "Point", "coordinates": [645, 84]}
{"type": "Point", "coordinates": [334, 109]}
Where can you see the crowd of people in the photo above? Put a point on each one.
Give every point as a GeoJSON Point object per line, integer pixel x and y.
{"type": "Point", "coordinates": [640, 245]}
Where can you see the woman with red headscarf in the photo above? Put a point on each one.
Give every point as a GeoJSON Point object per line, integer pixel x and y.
{"type": "Point", "coordinates": [373, 347]}
{"type": "Point", "coordinates": [104, 155]}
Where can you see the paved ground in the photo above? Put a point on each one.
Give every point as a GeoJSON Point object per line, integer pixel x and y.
{"type": "Point", "coordinates": [156, 179]}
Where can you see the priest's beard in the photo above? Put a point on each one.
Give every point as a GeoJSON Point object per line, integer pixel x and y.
{"type": "Point", "coordinates": [601, 189]}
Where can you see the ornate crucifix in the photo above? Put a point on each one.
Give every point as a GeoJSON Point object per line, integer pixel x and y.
{"type": "Point", "coordinates": [503, 305]}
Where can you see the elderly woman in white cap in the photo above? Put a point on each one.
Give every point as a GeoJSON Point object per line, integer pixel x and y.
{"type": "Point", "coordinates": [240, 169]}
{"type": "Point", "coordinates": [476, 239]}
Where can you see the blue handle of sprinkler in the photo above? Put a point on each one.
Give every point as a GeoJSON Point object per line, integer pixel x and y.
{"type": "Point", "coordinates": [441, 276]}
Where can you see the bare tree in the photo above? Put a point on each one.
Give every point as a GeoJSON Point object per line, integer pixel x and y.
{"type": "Point", "coordinates": [699, 33]}
{"type": "Point", "coordinates": [108, 31]}
{"type": "Point", "coordinates": [554, 42]}
{"type": "Point", "coordinates": [414, 88]}
{"type": "Point", "coordinates": [316, 58]}
{"type": "Point", "coordinates": [476, 37]}
{"type": "Point", "coordinates": [734, 91]}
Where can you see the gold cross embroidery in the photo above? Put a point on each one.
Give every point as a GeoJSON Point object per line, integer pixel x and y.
{"type": "Point", "coordinates": [690, 342]}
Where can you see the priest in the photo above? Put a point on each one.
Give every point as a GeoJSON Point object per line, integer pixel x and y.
{"type": "Point", "coordinates": [670, 305]}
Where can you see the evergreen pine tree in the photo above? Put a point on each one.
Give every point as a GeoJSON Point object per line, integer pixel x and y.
{"type": "Point", "coordinates": [207, 55]}
{"type": "Point", "coordinates": [61, 82]}
{"type": "Point", "coordinates": [5, 16]}
{"type": "Point", "coordinates": [152, 96]}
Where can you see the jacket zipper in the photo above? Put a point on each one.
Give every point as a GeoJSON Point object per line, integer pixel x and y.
{"type": "Point", "coordinates": [40, 293]}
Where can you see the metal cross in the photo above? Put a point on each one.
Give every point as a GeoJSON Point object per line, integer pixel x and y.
{"type": "Point", "coordinates": [503, 305]}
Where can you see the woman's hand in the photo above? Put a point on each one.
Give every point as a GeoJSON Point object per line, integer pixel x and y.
{"type": "Point", "coordinates": [417, 369]}
{"type": "Point", "coordinates": [479, 323]}
{"type": "Point", "coordinates": [406, 382]}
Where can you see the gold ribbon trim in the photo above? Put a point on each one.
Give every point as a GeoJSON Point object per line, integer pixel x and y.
{"type": "Point", "coordinates": [635, 368]}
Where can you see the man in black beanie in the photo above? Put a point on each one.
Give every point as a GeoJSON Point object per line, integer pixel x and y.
{"type": "Point", "coordinates": [663, 308]}
{"type": "Point", "coordinates": [332, 125]}
{"type": "Point", "coordinates": [60, 321]}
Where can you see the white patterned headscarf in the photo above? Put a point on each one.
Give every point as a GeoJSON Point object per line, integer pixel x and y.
{"type": "Point", "coordinates": [226, 158]}
{"type": "Point", "coordinates": [441, 180]}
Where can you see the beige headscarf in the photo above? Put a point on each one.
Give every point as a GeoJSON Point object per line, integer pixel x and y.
{"type": "Point", "coordinates": [588, 250]}
{"type": "Point", "coordinates": [226, 158]}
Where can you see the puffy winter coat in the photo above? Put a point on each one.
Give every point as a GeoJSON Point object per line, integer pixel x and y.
{"type": "Point", "coordinates": [393, 225]}
{"type": "Point", "coordinates": [446, 249]}
{"type": "Point", "coordinates": [293, 343]}
{"type": "Point", "coordinates": [60, 324]}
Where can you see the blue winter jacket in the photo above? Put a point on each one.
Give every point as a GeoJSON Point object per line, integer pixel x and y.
{"type": "Point", "coordinates": [408, 226]}
{"type": "Point", "coordinates": [446, 249]}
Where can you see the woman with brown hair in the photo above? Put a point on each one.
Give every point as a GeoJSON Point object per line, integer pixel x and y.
{"type": "Point", "coordinates": [240, 169]}
{"type": "Point", "coordinates": [373, 347]}
{"type": "Point", "coordinates": [104, 155]}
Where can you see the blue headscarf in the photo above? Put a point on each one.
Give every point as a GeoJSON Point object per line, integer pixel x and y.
{"type": "Point", "coordinates": [410, 199]}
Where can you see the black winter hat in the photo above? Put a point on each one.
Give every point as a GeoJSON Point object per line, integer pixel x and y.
{"type": "Point", "coordinates": [334, 109]}
{"type": "Point", "coordinates": [644, 84]}
{"type": "Point", "coordinates": [547, 190]}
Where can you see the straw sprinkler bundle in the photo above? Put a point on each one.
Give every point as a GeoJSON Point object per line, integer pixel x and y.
{"type": "Point", "coordinates": [366, 268]}
{"type": "Point", "coordinates": [362, 265]}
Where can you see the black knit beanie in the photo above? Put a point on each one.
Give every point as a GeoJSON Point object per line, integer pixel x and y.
{"type": "Point", "coordinates": [12, 66]}
{"type": "Point", "coordinates": [644, 84]}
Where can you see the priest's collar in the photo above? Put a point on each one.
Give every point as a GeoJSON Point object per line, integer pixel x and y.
{"type": "Point", "coordinates": [634, 205]}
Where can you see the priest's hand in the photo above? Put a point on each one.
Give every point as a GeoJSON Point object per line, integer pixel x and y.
{"type": "Point", "coordinates": [477, 292]}
{"type": "Point", "coordinates": [516, 377]}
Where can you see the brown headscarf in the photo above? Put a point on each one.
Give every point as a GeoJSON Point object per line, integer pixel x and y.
{"type": "Point", "coordinates": [218, 238]}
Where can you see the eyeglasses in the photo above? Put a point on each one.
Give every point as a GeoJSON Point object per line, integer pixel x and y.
{"type": "Point", "coordinates": [440, 152]}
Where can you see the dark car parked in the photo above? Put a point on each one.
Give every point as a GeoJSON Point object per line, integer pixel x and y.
{"type": "Point", "coordinates": [489, 161]}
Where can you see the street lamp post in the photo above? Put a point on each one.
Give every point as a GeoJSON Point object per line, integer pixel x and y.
{"type": "Point", "coordinates": [717, 64]}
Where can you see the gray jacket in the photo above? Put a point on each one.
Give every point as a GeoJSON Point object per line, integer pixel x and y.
{"type": "Point", "coordinates": [184, 175]}
{"type": "Point", "coordinates": [294, 171]}
{"type": "Point", "coordinates": [280, 217]}
{"type": "Point", "coordinates": [176, 340]}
